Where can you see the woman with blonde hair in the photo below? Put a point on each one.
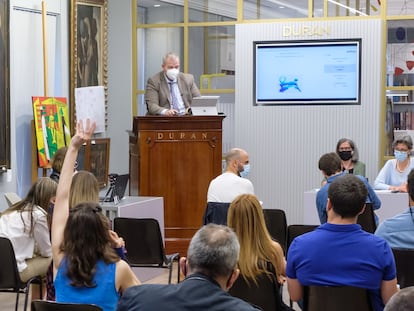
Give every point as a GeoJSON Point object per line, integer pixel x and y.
{"type": "Point", "coordinates": [84, 188]}
{"type": "Point", "coordinates": [259, 254]}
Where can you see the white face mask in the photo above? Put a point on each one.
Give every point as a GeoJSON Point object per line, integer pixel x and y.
{"type": "Point", "coordinates": [172, 74]}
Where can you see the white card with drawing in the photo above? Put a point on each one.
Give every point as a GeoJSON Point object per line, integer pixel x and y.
{"type": "Point", "coordinates": [90, 103]}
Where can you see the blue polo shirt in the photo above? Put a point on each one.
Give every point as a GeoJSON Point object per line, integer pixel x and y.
{"type": "Point", "coordinates": [342, 255]}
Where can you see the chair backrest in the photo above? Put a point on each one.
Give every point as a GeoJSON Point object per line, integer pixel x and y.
{"type": "Point", "coordinates": [44, 305]}
{"type": "Point", "coordinates": [143, 240]}
{"type": "Point", "coordinates": [265, 294]}
{"type": "Point", "coordinates": [338, 298]}
{"type": "Point", "coordinates": [216, 213]}
{"type": "Point", "coordinates": [404, 259]}
{"type": "Point", "coordinates": [276, 225]}
{"type": "Point", "coordinates": [367, 219]}
{"type": "Point", "coordinates": [12, 198]}
{"type": "Point", "coordinates": [9, 275]}
{"type": "Point", "coordinates": [295, 230]}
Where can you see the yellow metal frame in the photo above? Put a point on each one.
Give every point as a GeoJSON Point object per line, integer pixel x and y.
{"type": "Point", "coordinates": [186, 24]}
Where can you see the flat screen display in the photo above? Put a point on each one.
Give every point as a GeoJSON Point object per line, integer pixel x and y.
{"type": "Point", "coordinates": [307, 72]}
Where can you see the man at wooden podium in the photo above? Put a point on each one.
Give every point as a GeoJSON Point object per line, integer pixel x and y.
{"type": "Point", "coordinates": [170, 92]}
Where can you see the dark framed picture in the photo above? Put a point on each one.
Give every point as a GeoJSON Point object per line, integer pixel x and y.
{"type": "Point", "coordinates": [4, 87]}
{"type": "Point", "coordinates": [89, 44]}
{"type": "Point", "coordinates": [94, 157]}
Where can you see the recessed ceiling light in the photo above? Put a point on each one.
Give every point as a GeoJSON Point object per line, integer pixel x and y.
{"type": "Point", "coordinates": [281, 7]}
{"type": "Point", "coordinates": [157, 5]}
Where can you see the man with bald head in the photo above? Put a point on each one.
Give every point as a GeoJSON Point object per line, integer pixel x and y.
{"type": "Point", "coordinates": [225, 187]}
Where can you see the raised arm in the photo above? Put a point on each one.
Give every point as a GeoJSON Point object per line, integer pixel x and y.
{"type": "Point", "coordinates": [61, 209]}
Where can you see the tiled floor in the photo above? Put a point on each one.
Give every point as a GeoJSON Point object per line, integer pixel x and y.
{"type": "Point", "coordinates": [7, 300]}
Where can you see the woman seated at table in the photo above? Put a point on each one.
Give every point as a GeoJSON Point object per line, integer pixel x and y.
{"type": "Point", "coordinates": [348, 152]}
{"type": "Point", "coordinates": [393, 175]}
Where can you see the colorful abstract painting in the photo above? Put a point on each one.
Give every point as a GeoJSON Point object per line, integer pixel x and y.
{"type": "Point", "coordinates": [51, 118]}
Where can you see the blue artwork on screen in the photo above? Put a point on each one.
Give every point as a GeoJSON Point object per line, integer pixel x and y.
{"type": "Point", "coordinates": [307, 72]}
{"type": "Point", "coordinates": [286, 85]}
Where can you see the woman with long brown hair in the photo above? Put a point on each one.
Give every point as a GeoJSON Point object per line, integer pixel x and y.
{"type": "Point", "coordinates": [86, 267]}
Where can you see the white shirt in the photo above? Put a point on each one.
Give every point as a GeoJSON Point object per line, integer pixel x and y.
{"type": "Point", "coordinates": [227, 186]}
{"type": "Point", "coordinates": [11, 227]}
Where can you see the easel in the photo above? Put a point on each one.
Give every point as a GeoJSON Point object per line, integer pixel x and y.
{"type": "Point", "coordinates": [35, 167]}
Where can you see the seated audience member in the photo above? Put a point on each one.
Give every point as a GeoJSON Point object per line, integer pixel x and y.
{"type": "Point", "coordinates": [84, 187]}
{"type": "Point", "coordinates": [259, 254]}
{"type": "Point", "coordinates": [25, 224]}
{"type": "Point", "coordinates": [170, 92]}
{"type": "Point", "coordinates": [401, 301]}
{"type": "Point", "coordinates": [330, 166]}
{"type": "Point", "coordinates": [339, 252]}
{"type": "Point", "coordinates": [398, 231]}
{"type": "Point", "coordinates": [225, 187]}
{"type": "Point", "coordinates": [393, 175]}
{"type": "Point", "coordinates": [210, 270]}
{"type": "Point", "coordinates": [57, 162]}
{"type": "Point", "coordinates": [86, 267]}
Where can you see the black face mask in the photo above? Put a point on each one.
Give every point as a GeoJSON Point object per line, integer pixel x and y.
{"type": "Point", "coordinates": [345, 155]}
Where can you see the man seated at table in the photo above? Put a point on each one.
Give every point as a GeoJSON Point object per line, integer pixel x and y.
{"type": "Point", "coordinates": [330, 165]}
{"type": "Point", "coordinates": [339, 252]}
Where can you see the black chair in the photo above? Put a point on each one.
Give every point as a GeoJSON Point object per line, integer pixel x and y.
{"type": "Point", "coordinates": [338, 298]}
{"type": "Point", "coordinates": [265, 294]}
{"type": "Point", "coordinates": [44, 305]}
{"type": "Point", "coordinates": [404, 259]}
{"type": "Point", "coordinates": [367, 219]}
{"type": "Point", "coordinates": [144, 244]}
{"type": "Point", "coordinates": [295, 230]}
{"type": "Point", "coordinates": [10, 281]}
{"type": "Point", "coordinates": [292, 232]}
{"type": "Point", "coordinates": [276, 225]}
{"type": "Point", "coordinates": [216, 213]}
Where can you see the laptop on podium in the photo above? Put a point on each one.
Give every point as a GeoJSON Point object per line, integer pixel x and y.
{"type": "Point", "coordinates": [204, 105]}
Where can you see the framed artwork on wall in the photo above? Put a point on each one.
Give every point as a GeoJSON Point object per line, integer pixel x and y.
{"type": "Point", "coordinates": [88, 48]}
{"type": "Point", "coordinates": [94, 157]}
{"type": "Point", "coordinates": [4, 87]}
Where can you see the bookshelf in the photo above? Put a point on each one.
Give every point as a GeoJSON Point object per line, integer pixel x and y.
{"type": "Point", "coordinates": [399, 90]}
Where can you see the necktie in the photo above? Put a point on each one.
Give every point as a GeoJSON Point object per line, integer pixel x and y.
{"type": "Point", "coordinates": [174, 100]}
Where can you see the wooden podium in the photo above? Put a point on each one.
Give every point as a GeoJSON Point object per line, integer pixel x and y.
{"type": "Point", "coordinates": [176, 158]}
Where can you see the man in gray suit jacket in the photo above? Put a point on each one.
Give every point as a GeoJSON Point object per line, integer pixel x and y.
{"type": "Point", "coordinates": [170, 91]}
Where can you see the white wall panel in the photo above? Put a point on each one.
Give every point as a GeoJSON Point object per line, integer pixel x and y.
{"type": "Point", "coordinates": [285, 142]}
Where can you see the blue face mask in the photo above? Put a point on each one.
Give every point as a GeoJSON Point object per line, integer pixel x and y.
{"type": "Point", "coordinates": [400, 155]}
{"type": "Point", "coordinates": [246, 171]}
